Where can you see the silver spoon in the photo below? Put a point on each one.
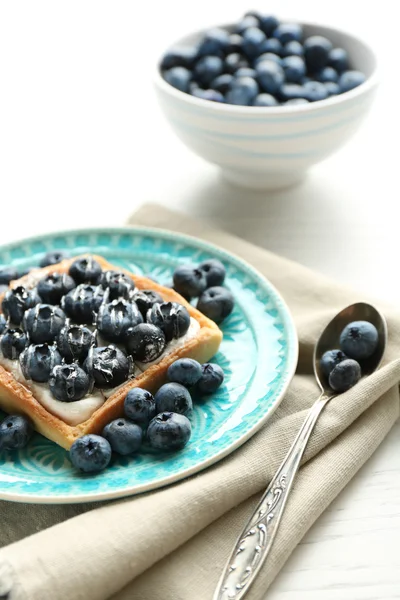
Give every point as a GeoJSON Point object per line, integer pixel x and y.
{"type": "Point", "coordinates": [256, 539]}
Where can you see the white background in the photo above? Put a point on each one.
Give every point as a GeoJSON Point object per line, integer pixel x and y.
{"type": "Point", "coordinates": [83, 143]}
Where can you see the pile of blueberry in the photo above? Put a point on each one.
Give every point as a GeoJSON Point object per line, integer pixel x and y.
{"type": "Point", "coordinates": [205, 283]}
{"type": "Point", "coordinates": [161, 420]}
{"type": "Point", "coordinates": [343, 367]}
{"type": "Point", "coordinates": [263, 62]}
{"type": "Point", "coordinates": [85, 329]}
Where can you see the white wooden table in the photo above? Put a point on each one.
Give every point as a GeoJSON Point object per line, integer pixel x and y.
{"type": "Point", "coordinates": [83, 143]}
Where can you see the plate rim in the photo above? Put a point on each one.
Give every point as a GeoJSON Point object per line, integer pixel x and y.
{"type": "Point", "coordinates": [292, 359]}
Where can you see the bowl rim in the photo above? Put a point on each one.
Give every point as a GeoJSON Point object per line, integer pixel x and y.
{"type": "Point", "coordinates": [371, 82]}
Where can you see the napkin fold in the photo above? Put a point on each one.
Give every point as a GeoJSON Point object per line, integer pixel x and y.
{"type": "Point", "coordinates": [172, 544]}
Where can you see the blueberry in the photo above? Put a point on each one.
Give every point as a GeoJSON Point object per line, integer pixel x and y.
{"type": "Point", "coordinates": [12, 343]}
{"type": "Point", "coordinates": [246, 23]}
{"type": "Point", "coordinates": [293, 49]}
{"type": "Point", "coordinates": [139, 406]}
{"type": "Point", "coordinates": [43, 323]}
{"type": "Point", "coordinates": [211, 378]}
{"type": "Point", "coordinates": [246, 72]}
{"type": "Point", "coordinates": [253, 13]}
{"type": "Point", "coordinates": [82, 303]}
{"type": "Point", "coordinates": [54, 286]}
{"type": "Point", "coordinates": [268, 23]}
{"type": "Point", "coordinates": [169, 431]}
{"type": "Point", "coordinates": [118, 284]}
{"type": "Point", "coordinates": [114, 319]}
{"type": "Point", "coordinates": [235, 61]}
{"type": "Point", "coordinates": [216, 303]}
{"type": "Point", "coordinates": [253, 39]}
{"type": "Point", "coordinates": [38, 361]}
{"type": "Point", "coordinates": [178, 77]}
{"type": "Point", "coordinates": [316, 52]}
{"type": "Point", "coordinates": [108, 366]}
{"type": "Point", "coordinates": [273, 45]}
{"type": "Point", "coordinates": [3, 324]}
{"type": "Point", "coordinates": [346, 374]}
{"type": "Point", "coordinates": [291, 91]}
{"type": "Point", "coordinates": [267, 56]}
{"type": "Point", "coordinates": [85, 270]}
{"type": "Point", "coordinates": [294, 68]}
{"type": "Point", "coordinates": [214, 270]}
{"type": "Point", "coordinates": [265, 100]}
{"type": "Point", "coordinates": [332, 88]}
{"type": "Point", "coordinates": [359, 340]}
{"type": "Point", "coordinates": [15, 432]}
{"type": "Point", "coordinates": [194, 87]}
{"type": "Point", "coordinates": [330, 359]}
{"type": "Point", "coordinates": [211, 95]}
{"type": "Point", "coordinates": [242, 92]}
{"type": "Point", "coordinates": [185, 371]}
{"type": "Point", "coordinates": [235, 43]}
{"type": "Point", "coordinates": [350, 80]}
{"type": "Point", "coordinates": [145, 299]}
{"type": "Point", "coordinates": [17, 301]}
{"type": "Point", "coordinates": [124, 436]}
{"type": "Point", "coordinates": [74, 342]}
{"type": "Point", "coordinates": [53, 258]}
{"type": "Point", "coordinates": [270, 76]}
{"type": "Point", "coordinates": [207, 69]}
{"type": "Point", "coordinates": [215, 42]}
{"type": "Point", "coordinates": [7, 274]}
{"type": "Point", "coordinates": [189, 281]}
{"type": "Point", "coordinates": [288, 32]}
{"type": "Point", "coordinates": [69, 383]}
{"type": "Point", "coordinates": [172, 318]}
{"type": "Point", "coordinates": [296, 101]}
{"type": "Point", "coordinates": [183, 56]}
{"type": "Point", "coordinates": [314, 91]}
{"type": "Point", "coordinates": [222, 83]}
{"type": "Point", "coordinates": [186, 296]}
{"type": "Point", "coordinates": [338, 59]}
{"type": "Point", "coordinates": [173, 397]}
{"type": "Point", "coordinates": [326, 74]}
{"type": "Point", "coordinates": [145, 342]}
{"type": "Point", "coordinates": [90, 453]}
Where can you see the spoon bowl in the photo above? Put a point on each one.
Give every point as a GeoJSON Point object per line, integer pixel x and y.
{"type": "Point", "coordinates": [330, 340]}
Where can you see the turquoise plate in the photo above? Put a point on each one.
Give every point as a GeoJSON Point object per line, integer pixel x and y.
{"type": "Point", "coordinates": [258, 355]}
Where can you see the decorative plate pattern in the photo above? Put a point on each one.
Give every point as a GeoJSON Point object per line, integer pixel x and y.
{"type": "Point", "coordinates": [258, 355]}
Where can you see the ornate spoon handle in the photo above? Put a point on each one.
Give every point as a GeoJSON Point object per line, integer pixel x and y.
{"type": "Point", "coordinates": [256, 539]}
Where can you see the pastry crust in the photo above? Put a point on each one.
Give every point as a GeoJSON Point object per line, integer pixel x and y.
{"type": "Point", "coordinates": [15, 397]}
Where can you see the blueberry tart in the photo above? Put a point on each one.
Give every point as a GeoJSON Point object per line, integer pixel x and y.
{"type": "Point", "coordinates": [76, 336]}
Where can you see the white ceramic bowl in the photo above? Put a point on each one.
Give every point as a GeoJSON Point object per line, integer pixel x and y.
{"type": "Point", "coordinates": [266, 148]}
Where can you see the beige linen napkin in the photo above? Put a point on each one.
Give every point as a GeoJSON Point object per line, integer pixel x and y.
{"type": "Point", "coordinates": [172, 544]}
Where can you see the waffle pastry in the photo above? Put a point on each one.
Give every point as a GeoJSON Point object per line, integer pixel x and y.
{"type": "Point", "coordinates": [18, 396]}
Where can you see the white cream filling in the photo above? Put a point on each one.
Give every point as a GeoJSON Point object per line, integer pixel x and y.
{"type": "Point", "coordinates": [79, 411]}
{"type": "Point", "coordinates": [72, 413]}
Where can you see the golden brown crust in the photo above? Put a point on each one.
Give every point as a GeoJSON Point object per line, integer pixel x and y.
{"type": "Point", "coordinates": [15, 397]}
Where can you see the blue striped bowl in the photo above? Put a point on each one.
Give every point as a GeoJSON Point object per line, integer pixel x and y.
{"type": "Point", "coordinates": [262, 147]}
